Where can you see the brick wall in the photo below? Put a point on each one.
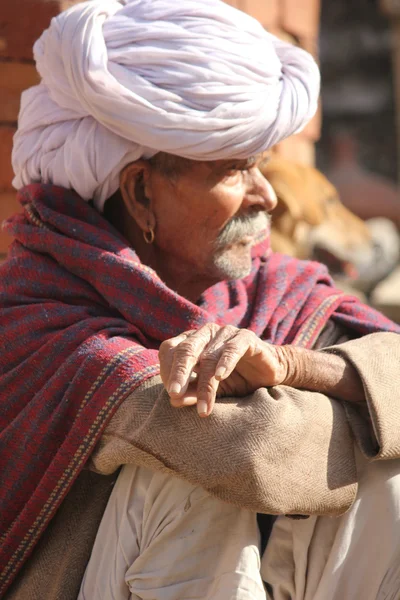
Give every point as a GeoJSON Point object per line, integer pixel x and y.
{"type": "Point", "coordinates": [22, 21]}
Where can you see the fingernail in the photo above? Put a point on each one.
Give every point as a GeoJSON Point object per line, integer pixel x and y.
{"type": "Point", "coordinates": [202, 407]}
{"type": "Point", "coordinates": [175, 388]}
{"type": "Point", "coordinates": [220, 372]}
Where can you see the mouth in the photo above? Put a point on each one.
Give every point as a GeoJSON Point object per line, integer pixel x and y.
{"type": "Point", "coordinates": [336, 265]}
{"type": "Point", "coordinates": [245, 240]}
{"type": "Point", "coordinates": [244, 231]}
{"type": "Point", "coordinates": [249, 240]}
{"type": "Point", "coordinates": [243, 243]}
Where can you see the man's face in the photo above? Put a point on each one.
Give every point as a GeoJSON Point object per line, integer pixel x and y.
{"type": "Point", "coordinates": [209, 215]}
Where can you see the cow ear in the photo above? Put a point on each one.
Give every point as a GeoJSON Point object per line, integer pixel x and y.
{"type": "Point", "coordinates": [283, 175]}
{"type": "Point", "coordinates": [287, 200]}
{"type": "Point", "coordinates": [280, 209]}
{"type": "Point", "coordinates": [318, 188]}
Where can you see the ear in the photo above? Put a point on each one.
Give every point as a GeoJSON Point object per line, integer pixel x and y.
{"type": "Point", "coordinates": [135, 190]}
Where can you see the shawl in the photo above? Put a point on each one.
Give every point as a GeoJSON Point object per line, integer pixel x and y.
{"type": "Point", "coordinates": [124, 79]}
{"type": "Point", "coordinates": [80, 323]}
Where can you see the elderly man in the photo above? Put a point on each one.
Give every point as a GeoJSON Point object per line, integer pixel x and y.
{"type": "Point", "coordinates": [141, 281]}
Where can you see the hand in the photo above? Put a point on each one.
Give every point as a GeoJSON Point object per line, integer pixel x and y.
{"type": "Point", "coordinates": [196, 366]}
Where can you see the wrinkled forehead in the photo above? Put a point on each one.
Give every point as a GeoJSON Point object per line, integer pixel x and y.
{"type": "Point", "coordinates": [171, 165]}
{"type": "Point", "coordinates": [243, 163]}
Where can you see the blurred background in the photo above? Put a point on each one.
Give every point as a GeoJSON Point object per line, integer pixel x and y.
{"type": "Point", "coordinates": [354, 140]}
{"type": "Point", "coordinates": [357, 52]}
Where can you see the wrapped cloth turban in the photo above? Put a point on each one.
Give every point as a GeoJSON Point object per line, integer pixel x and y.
{"type": "Point", "coordinates": [125, 79]}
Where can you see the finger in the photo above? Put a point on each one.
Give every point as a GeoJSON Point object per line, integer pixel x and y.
{"type": "Point", "coordinates": [233, 352]}
{"type": "Point", "coordinates": [183, 401]}
{"type": "Point", "coordinates": [189, 398]}
{"type": "Point", "coordinates": [207, 386]}
{"type": "Point", "coordinates": [185, 357]}
{"type": "Point", "coordinates": [166, 355]}
{"type": "Point", "coordinates": [206, 391]}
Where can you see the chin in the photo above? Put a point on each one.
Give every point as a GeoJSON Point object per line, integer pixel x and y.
{"type": "Point", "coordinates": [232, 265]}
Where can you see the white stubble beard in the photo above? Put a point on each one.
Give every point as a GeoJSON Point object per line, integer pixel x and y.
{"type": "Point", "coordinates": [227, 263]}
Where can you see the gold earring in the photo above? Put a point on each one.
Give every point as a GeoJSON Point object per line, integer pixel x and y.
{"type": "Point", "coordinates": [149, 236]}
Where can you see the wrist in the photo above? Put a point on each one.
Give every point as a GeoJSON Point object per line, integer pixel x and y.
{"type": "Point", "coordinates": [324, 372]}
{"type": "Point", "coordinates": [293, 361]}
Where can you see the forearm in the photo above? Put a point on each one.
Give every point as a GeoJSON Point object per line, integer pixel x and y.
{"type": "Point", "coordinates": [376, 358]}
{"type": "Point", "coordinates": [329, 374]}
{"type": "Point", "coordinates": [267, 452]}
{"type": "Point", "coordinates": [369, 367]}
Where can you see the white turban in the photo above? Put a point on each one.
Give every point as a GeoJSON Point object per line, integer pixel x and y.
{"type": "Point", "coordinates": [125, 79]}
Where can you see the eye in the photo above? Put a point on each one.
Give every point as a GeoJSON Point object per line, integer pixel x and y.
{"type": "Point", "coordinates": [234, 170]}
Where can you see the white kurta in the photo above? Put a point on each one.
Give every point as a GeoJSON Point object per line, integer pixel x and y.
{"type": "Point", "coordinates": [164, 539]}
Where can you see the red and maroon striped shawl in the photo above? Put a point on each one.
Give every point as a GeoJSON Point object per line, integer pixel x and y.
{"type": "Point", "coordinates": [80, 323]}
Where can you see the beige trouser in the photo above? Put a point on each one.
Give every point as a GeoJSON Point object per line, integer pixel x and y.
{"type": "Point", "coordinates": [164, 539]}
{"type": "Point", "coordinates": [354, 557]}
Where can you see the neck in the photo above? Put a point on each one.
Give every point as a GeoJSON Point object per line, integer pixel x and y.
{"type": "Point", "coordinates": [180, 278]}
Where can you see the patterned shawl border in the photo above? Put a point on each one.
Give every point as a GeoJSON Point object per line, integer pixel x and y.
{"type": "Point", "coordinates": [106, 371]}
{"type": "Point", "coordinates": [76, 465]}
{"type": "Point", "coordinates": [314, 325]}
{"type": "Point", "coordinates": [117, 360]}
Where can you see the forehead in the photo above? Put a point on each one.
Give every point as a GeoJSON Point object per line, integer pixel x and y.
{"type": "Point", "coordinates": [239, 163]}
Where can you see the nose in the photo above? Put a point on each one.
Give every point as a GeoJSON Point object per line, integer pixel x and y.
{"type": "Point", "coordinates": [259, 191]}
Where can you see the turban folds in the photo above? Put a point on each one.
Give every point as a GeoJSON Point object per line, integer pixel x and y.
{"type": "Point", "coordinates": [125, 79]}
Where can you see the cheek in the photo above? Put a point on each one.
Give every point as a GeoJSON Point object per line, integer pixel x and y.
{"type": "Point", "coordinates": [192, 215]}
{"type": "Point", "coordinates": [224, 202]}
{"type": "Point", "coordinates": [179, 226]}
{"type": "Point", "coordinates": [185, 237]}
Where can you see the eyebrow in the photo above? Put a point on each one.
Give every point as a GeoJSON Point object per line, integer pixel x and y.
{"type": "Point", "coordinates": [251, 161]}
{"type": "Point", "coordinates": [245, 163]}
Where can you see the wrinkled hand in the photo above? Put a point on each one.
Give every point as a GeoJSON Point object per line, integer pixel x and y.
{"type": "Point", "coordinates": [197, 366]}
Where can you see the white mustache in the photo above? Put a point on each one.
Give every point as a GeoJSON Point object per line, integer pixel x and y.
{"type": "Point", "coordinates": [239, 227]}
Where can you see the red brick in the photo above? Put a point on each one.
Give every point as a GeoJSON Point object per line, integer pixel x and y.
{"type": "Point", "coordinates": [6, 172]}
{"type": "Point", "coordinates": [301, 17]}
{"type": "Point", "coordinates": [22, 22]}
{"type": "Point", "coordinates": [9, 106]}
{"type": "Point", "coordinates": [265, 11]}
{"type": "Point", "coordinates": [8, 206]}
{"type": "Point", "coordinates": [15, 77]}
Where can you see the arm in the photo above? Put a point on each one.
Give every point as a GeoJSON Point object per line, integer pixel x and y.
{"type": "Point", "coordinates": [198, 366]}
{"type": "Point", "coordinates": [328, 373]}
{"type": "Point", "coordinates": [277, 451]}
{"type": "Point", "coordinates": [375, 423]}
{"type": "Point", "coordinates": [364, 372]}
